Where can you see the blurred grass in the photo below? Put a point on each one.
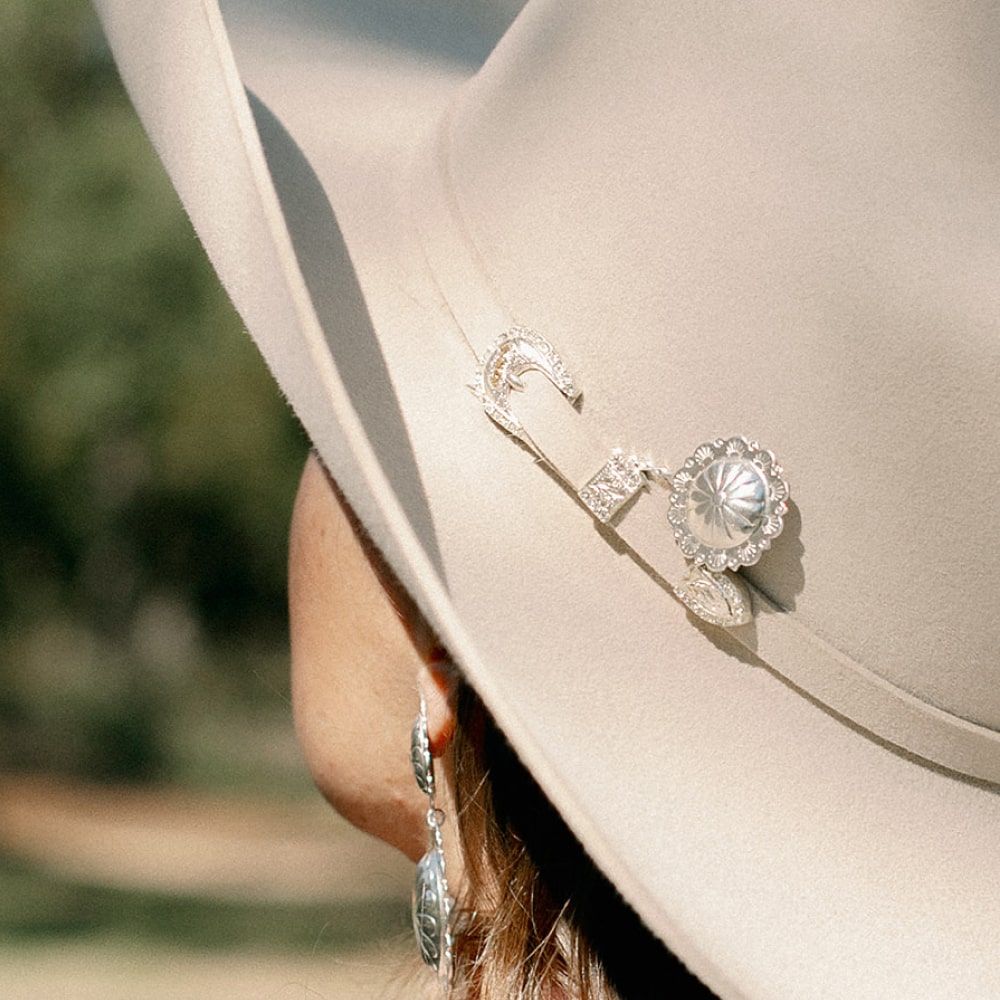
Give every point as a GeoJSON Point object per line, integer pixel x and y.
{"type": "Point", "coordinates": [35, 906]}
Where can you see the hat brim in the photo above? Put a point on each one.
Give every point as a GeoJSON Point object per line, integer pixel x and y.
{"type": "Point", "coordinates": [778, 850]}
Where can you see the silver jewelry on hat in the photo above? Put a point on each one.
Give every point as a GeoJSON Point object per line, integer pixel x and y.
{"type": "Point", "coordinates": [432, 905]}
{"type": "Point", "coordinates": [717, 598]}
{"type": "Point", "coordinates": [726, 503]}
{"type": "Point", "coordinates": [518, 350]}
{"type": "Point", "coordinates": [614, 484]}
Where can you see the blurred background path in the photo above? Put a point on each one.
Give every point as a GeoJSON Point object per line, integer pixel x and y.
{"type": "Point", "coordinates": [88, 972]}
{"type": "Point", "coordinates": [126, 893]}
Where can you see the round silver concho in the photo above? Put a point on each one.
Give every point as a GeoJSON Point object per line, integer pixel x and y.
{"type": "Point", "coordinates": [727, 503]}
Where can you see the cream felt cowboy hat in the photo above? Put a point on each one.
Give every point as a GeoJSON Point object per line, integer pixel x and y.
{"type": "Point", "coordinates": [710, 227]}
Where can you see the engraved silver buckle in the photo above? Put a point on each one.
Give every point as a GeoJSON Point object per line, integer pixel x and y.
{"type": "Point", "coordinates": [517, 351]}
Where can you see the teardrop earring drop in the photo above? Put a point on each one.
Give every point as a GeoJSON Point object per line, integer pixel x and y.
{"type": "Point", "coordinates": [432, 905]}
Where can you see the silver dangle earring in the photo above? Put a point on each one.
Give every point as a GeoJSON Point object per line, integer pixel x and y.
{"type": "Point", "coordinates": [432, 906]}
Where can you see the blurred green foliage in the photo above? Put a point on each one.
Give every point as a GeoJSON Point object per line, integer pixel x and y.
{"type": "Point", "coordinates": [148, 462]}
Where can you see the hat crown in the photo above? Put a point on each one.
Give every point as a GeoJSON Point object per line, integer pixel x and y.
{"type": "Point", "coordinates": [784, 226]}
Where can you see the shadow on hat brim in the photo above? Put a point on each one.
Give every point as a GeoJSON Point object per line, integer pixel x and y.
{"type": "Point", "coordinates": [777, 850]}
{"type": "Point", "coordinates": [339, 305]}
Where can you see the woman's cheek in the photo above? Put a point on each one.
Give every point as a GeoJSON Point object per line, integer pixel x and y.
{"type": "Point", "coordinates": [354, 673]}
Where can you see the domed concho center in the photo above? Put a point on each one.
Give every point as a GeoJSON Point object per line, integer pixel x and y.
{"type": "Point", "coordinates": [727, 502]}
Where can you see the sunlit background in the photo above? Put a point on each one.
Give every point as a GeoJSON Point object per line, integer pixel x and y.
{"type": "Point", "coordinates": [158, 834]}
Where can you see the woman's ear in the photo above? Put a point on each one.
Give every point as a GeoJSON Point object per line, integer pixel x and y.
{"type": "Point", "coordinates": [436, 682]}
